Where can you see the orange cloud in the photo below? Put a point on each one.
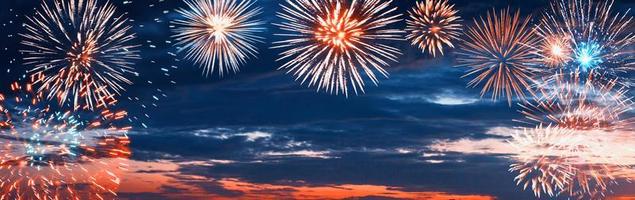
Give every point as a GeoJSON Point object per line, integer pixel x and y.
{"type": "Point", "coordinates": [153, 177]}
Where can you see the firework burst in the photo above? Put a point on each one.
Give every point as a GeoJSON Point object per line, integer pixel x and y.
{"type": "Point", "coordinates": [498, 52]}
{"type": "Point", "coordinates": [48, 154]}
{"type": "Point", "coordinates": [218, 35]}
{"type": "Point", "coordinates": [554, 51]}
{"type": "Point", "coordinates": [570, 104]}
{"type": "Point", "coordinates": [79, 52]}
{"type": "Point", "coordinates": [587, 36]}
{"type": "Point", "coordinates": [543, 173]}
{"type": "Point", "coordinates": [433, 24]}
{"type": "Point", "coordinates": [332, 44]}
{"type": "Point", "coordinates": [559, 161]}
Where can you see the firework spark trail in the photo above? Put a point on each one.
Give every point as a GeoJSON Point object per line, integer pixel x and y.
{"type": "Point", "coordinates": [432, 25]}
{"type": "Point", "coordinates": [79, 52]}
{"type": "Point", "coordinates": [50, 154]}
{"type": "Point", "coordinates": [570, 103]}
{"type": "Point", "coordinates": [588, 37]}
{"type": "Point", "coordinates": [332, 44]}
{"type": "Point", "coordinates": [498, 52]}
{"type": "Point", "coordinates": [575, 157]}
{"type": "Point", "coordinates": [543, 173]}
{"type": "Point", "coordinates": [219, 35]}
{"type": "Point", "coordinates": [560, 161]}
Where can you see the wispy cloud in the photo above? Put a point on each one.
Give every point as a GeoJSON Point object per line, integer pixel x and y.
{"type": "Point", "coordinates": [446, 98]}
{"type": "Point", "coordinates": [301, 153]}
{"type": "Point", "coordinates": [249, 136]}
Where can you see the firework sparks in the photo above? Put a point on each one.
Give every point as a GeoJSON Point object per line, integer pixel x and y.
{"type": "Point", "coordinates": [544, 174]}
{"type": "Point", "coordinates": [555, 51]}
{"type": "Point", "coordinates": [80, 52]}
{"type": "Point", "coordinates": [569, 104]}
{"type": "Point", "coordinates": [499, 52]}
{"type": "Point", "coordinates": [332, 44]}
{"type": "Point", "coordinates": [586, 36]}
{"type": "Point", "coordinates": [51, 154]}
{"type": "Point", "coordinates": [433, 24]}
{"type": "Point", "coordinates": [578, 163]}
{"type": "Point", "coordinates": [577, 155]}
{"type": "Point", "coordinates": [218, 35]}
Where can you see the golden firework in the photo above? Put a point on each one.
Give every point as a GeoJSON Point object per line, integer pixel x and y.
{"type": "Point", "coordinates": [498, 51]}
{"type": "Point", "coordinates": [432, 25]}
{"type": "Point", "coordinates": [555, 51]}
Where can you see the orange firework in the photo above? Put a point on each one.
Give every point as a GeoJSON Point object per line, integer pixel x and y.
{"type": "Point", "coordinates": [577, 163]}
{"type": "Point", "coordinates": [80, 52]}
{"type": "Point", "coordinates": [218, 35]}
{"type": "Point", "coordinates": [433, 24]}
{"type": "Point", "coordinates": [49, 154]}
{"type": "Point", "coordinates": [555, 51]}
{"type": "Point", "coordinates": [498, 51]}
{"type": "Point", "coordinates": [332, 44]}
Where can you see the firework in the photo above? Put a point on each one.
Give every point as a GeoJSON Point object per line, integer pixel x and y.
{"type": "Point", "coordinates": [218, 35]}
{"type": "Point", "coordinates": [588, 37]}
{"type": "Point", "coordinates": [499, 53]}
{"type": "Point", "coordinates": [578, 163]}
{"type": "Point", "coordinates": [433, 24]}
{"type": "Point", "coordinates": [569, 103]}
{"type": "Point", "coordinates": [332, 44]}
{"type": "Point", "coordinates": [543, 173]}
{"type": "Point", "coordinates": [79, 52]}
{"type": "Point", "coordinates": [49, 154]}
{"type": "Point", "coordinates": [555, 51]}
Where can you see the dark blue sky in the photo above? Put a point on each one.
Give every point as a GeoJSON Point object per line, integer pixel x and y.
{"type": "Point", "coordinates": [270, 130]}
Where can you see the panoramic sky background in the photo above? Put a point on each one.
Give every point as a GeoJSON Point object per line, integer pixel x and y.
{"type": "Point", "coordinates": [259, 134]}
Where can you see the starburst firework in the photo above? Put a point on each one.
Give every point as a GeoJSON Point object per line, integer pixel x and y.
{"type": "Point", "coordinates": [332, 44]}
{"type": "Point", "coordinates": [593, 38]}
{"type": "Point", "coordinates": [80, 52]}
{"type": "Point", "coordinates": [554, 51]}
{"type": "Point", "coordinates": [432, 25]}
{"type": "Point", "coordinates": [218, 35]}
{"type": "Point", "coordinates": [499, 53]}
{"type": "Point", "coordinates": [48, 154]}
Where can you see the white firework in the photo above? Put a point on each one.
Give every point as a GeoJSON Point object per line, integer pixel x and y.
{"type": "Point", "coordinates": [79, 51]}
{"type": "Point", "coordinates": [332, 44]}
{"type": "Point", "coordinates": [218, 35]}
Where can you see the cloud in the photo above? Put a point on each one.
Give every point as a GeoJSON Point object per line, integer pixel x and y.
{"type": "Point", "coordinates": [446, 98]}
{"type": "Point", "coordinates": [208, 163]}
{"type": "Point", "coordinates": [249, 136]}
{"type": "Point", "coordinates": [165, 180]}
{"type": "Point", "coordinates": [255, 135]}
{"type": "Point", "coordinates": [489, 145]}
{"type": "Point", "coordinates": [301, 153]}
{"type": "Point", "coordinates": [472, 146]}
{"type": "Point", "coordinates": [502, 131]}
{"type": "Point", "coordinates": [452, 101]}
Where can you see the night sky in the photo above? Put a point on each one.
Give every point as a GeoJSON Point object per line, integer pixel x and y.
{"type": "Point", "coordinates": [260, 134]}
